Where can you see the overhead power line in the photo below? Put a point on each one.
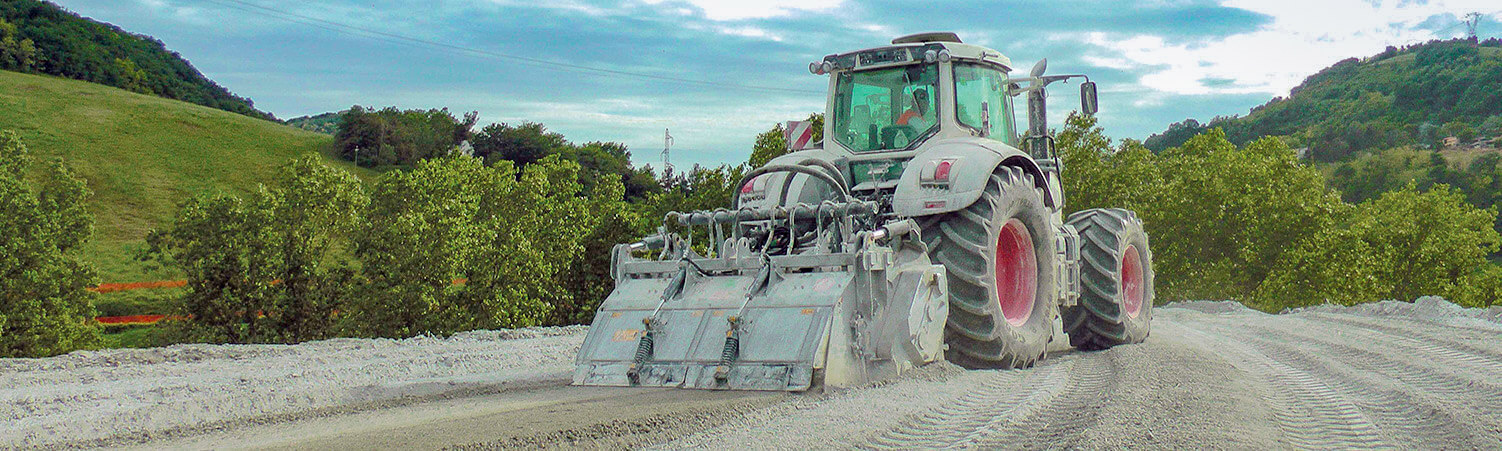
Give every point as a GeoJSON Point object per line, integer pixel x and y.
{"type": "Point", "coordinates": [400, 38]}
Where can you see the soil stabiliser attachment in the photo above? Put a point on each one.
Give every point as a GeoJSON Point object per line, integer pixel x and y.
{"type": "Point", "coordinates": [919, 231]}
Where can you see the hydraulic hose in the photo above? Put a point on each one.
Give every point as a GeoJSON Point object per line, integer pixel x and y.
{"type": "Point", "coordinates": [833, 171]}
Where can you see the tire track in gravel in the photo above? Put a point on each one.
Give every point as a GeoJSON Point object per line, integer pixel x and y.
{"type": "Point", "coordinates": [1050, 405]}
{"type": "Point", "coordinates": [1061, 423]}
{"type": "Point", "coordinates": [1432, 333]}
{"type": "Point", "coordinates": [1392, 393]}
{"type": "Point", "coordinates": [1466, 384]}
{"type": "Point", "coordinates": [1308, 411]}
{"type": "Point", "coordinates": [1442, 364]}
{"type": "Point", "coordinates": [965, 419]}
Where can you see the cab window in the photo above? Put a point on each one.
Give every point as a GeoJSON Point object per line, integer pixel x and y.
{"type": "Point", "coordinates": [981, 103]}
{"type": "Point", "coordinates": [881, 109]}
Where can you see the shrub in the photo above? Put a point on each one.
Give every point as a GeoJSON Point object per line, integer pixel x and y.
{"type": "Point", "coordinates": [45, 306]}
{"type": "Point", "coordinates": [506, 235]}
{"type": "Point", "coordinates": [268, 268]}
{"type": "Point", "coordinates": [1427, 243]}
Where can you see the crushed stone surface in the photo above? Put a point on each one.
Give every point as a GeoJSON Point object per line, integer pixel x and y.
{"type": "Point", "coordinates": [94, 398]}
{"type": "Point", "coordinates": [1212, 375]}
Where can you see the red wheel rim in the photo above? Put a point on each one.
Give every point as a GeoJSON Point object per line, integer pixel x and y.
{"type": "Point", "coordinates": [1131, 282]}
{"type": "Point", "coordinates": [1016, 273]}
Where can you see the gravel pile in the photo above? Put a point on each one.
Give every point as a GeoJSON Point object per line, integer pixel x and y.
{"type": "Point", "coordinates": [1428, 308]}
{"type": "Point", "coordinates": [1211, 307]}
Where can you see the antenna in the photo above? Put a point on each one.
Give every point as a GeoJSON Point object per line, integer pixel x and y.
{"type": "Point", "coordinates": [1471, 20]}
{"type": "Point", "coordinates": [667, 143]}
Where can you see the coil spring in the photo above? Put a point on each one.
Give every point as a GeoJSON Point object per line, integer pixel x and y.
{"type": "Point", "coordinates": [728, 355]}
{"type": "Point", "coordinates": [732, 349]}
{"type": "Point", "coordinates": [644, 348]}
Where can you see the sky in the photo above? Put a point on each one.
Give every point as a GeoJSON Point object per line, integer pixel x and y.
{"type": "Point", "coordinates": [716, 73]}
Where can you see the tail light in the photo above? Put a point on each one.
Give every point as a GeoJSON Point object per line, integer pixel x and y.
{"type": "Point", "coordinates": [754, 189]}
{"type": "Point", "coordinates": [936, 172]}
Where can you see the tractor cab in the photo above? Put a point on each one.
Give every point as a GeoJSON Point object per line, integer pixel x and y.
{"type": "Point", "coordinates": [928, 105]}
{"type": "Point", "coordinates": [923, 87]}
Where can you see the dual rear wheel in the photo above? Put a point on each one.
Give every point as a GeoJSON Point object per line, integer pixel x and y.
{"type": "Point", "coordinates": [1116, 280]}
{"type": "Point", "coordinates": [1003, 276]}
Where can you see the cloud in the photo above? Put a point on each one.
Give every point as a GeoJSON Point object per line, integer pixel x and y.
{"type": "Point", "coordinates": [1301, 38]}
{"type": "Point", "coordinates": [1156, 62]}
{"type": "Point", "coordinates": [733, 10]}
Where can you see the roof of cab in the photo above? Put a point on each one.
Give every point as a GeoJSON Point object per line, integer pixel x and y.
{"type": "Point", "coordinates": [950, 41]}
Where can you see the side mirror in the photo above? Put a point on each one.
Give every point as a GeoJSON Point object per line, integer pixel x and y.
{"type": "Point", "coordinates": [1089, 104]}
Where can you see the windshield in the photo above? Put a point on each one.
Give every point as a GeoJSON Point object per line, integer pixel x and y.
{"type": "Point", "coordinates": [885, 108]}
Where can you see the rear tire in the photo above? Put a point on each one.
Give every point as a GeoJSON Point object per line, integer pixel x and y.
{"type": "Point", "coordinates": [1116, 281]}
{"type": "Point", "coordinates": [1000, 258]}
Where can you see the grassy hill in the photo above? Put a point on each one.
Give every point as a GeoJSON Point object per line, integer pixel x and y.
{"type": "Point", "coordinates": [142, 155]}
{"type": "Point", "coordinates": [1410, 96]}
{"type": "Point", "coordinates": [54, 41]}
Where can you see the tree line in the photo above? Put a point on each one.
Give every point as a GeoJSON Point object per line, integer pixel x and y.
{"type": "Point", "coordinates": [518, 234]}
{"type": "Point", "coordinates": [1253, 223]}
{"type": "Point", "coordinates": [1411, 96]}
{"type": "Point", "coordinates": [1368, 176]}
{"type": "Point", "coordinates": [460, 242]}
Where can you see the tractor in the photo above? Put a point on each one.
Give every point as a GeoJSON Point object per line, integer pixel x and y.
{"type": "Point", "coordinates": [924, 227]}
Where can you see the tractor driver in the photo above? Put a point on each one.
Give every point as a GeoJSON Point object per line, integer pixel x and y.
{"type": "Point", "coordinates": [917, 113]}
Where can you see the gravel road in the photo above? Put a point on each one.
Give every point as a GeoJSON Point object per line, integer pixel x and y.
{"type": "Point", "coordinates": [1423, 375]}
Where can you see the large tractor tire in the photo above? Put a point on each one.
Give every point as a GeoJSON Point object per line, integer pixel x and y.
{"type": "Point", "coordinates": [1116, 280]}
{"type": "Point", "coordinates": [999, 254]}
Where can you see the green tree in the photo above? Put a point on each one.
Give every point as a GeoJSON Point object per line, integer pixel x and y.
{"type": "Point", "coordinates": [1098, 176]}
{"type": "Point", "coordinates": [1226, 214]}
{"type": "Point", "coordinates": [1427, 242]}
{"type": "Point", "coordinates": [520, 144]}
{"type": "Point", "coordinates": [1482, 288]}
{"type": "Point", "coordinates": [16, 53]}
{"type": "Point", "coordinates": [391, 136]}
{"type": "Point", "coordinates": [273, 268]}
{"type": "Point", "coordinates": [45, 307]}
{"type": "Point", "coordinates": [130, 77]}
{"type": "Point", "coordinates": [506, 235]}
{"type": "Point", "coordinates": [1336, 267]}
{"type": "Point", "coordinates": [526, 143]}
{"type": "Point", "coordinates": [772, 144]}
{"type": "Point", "coordinates": [587, 278]}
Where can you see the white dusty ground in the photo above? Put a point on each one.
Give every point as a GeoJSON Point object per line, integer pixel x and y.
{"type": "Point", "coordinates": [1213, 375]}
{"type": "Point", "coordinates": [94, 398]}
